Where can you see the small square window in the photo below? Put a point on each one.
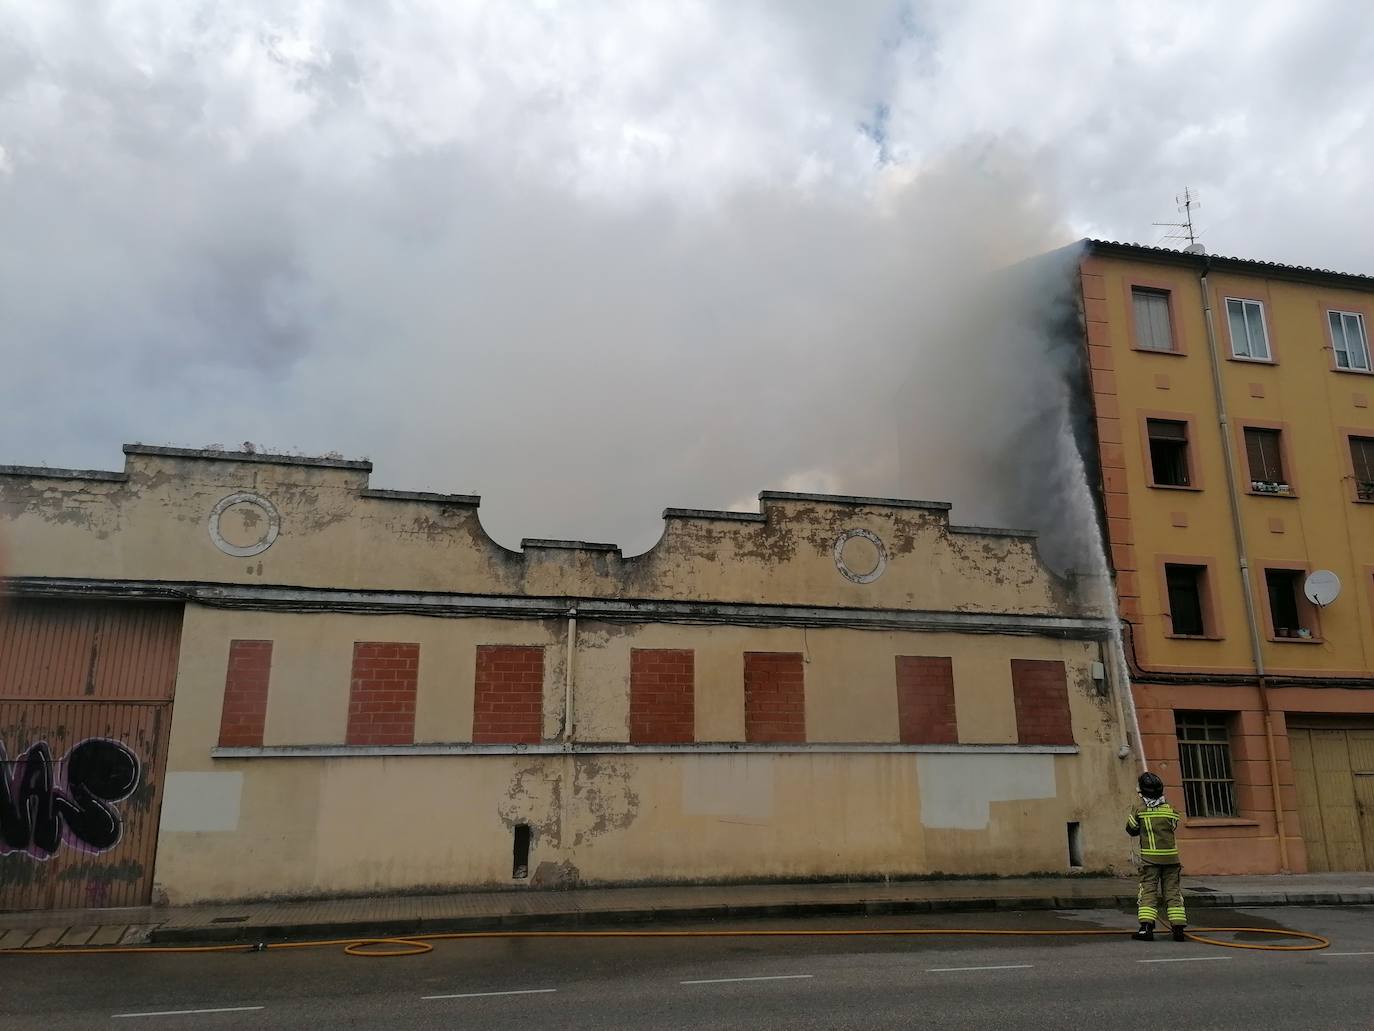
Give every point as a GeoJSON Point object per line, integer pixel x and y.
{"type": "Point", "coordinates": [1362, 461]}
{"type": "Point", "coordinates": [1349, 340]}
{"type": "Point", "coordinates": [1291, 614]}
{"type": "Point", "coordinates": [1264, 451]}
{"type": "Point", "coordinates": [1168, 452]}
{"type": "Point", "coordinates": [1187, 587]}
{"type": "Point", "coordinates": [1153, 331]}
{"type": "Point", "coordinates": [1249, 338]}
{"type": "Point", "coordinates": [1204, 754]}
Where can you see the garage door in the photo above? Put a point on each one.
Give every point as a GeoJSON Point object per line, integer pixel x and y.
{"type": "Point", "coordinates": [85, 709]}
{"type": "Point", "coordinates": [1333, 764]}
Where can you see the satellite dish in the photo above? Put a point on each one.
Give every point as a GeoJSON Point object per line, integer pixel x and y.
{"type": "Point", "coordinates": [1322, 588]}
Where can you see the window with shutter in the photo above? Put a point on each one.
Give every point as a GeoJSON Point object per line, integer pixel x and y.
{"type": "Point", "coordinates": [1264, 451]}
{"type": "Point", "coordinates": [1153, 331]}
{"type": "Point", "coordinates": [1168, 452]}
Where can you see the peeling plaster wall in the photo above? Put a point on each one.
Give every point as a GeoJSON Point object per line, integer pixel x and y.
{"type": "Point", "coordinates": [246, 826]}
{"type": "Point", "coordinates": [152, 525]}
{"type": "Point", "coordinates": [361, 824]}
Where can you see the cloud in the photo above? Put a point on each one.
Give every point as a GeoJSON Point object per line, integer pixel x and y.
{"type": "Point", "coordinates": [592, 260]}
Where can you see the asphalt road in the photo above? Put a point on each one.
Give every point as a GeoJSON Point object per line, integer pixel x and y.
{"type": "Point", "coordinates": [814, 982]}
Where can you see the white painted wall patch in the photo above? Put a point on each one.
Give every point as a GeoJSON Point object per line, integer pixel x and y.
{"type": "Point", "coordinates": [957, 790]}
{"type": "Point", "coordinates": [201, 801]}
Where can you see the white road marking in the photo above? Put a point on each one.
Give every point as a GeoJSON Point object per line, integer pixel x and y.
{"type": "Point", "coordinates": [732, 980]}
{"type": "Point", "coordinates": [1348, 953]}
{"type": "Point", "coordinates": [1185, 959]}
{"type": "Point", "coordinates": [951, 970]}
{"type": "Point", "coordinates": [487, 995]}
{"type": "Point", "coordinates": [183, 1013]}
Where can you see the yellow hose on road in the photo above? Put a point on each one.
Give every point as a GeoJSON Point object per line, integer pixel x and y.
{"type": "Point", "coordinates": [418, 944]}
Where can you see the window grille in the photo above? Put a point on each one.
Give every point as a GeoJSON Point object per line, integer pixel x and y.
{"type": "Point", "coordinates": [1204, 751]}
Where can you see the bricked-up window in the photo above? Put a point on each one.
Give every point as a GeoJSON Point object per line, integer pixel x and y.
{"type": "Point", "coordinates": [1204, 753]}
{"type": "Point", "coordinates": [381, 698]}
{"type": "Point", "coordinates": [1264, 451]}
{"type": "Point", "coordinates": [662, 699]}
{"type": "Point", "coordinates": [508, 695]}
{"type": "Point", "coordinates": [1168, 452]}
{"type": "Point", "coordinates": [1187, 590]}
{"type": "Point", "coordinates": [925, 700]}
{"type": "Point", "coordinates": [1362, 459]}
{"type": "Point", "coordinates": [1041, 689]}
{"type": "Point", "coordinates": [1152, 329]}
{"type": "Point", "coordinates": [774, 698]}
{"type": "Point", "coordinates": [244, 714]}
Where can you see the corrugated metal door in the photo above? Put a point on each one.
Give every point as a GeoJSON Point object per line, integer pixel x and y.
{"type": "Point", "coordinates": [85, 708]}
{"type": "Point", "coordinates": [1333, 766]}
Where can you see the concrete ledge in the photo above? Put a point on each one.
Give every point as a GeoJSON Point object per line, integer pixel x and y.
{"type": "Point", "coordinates": [42, 472]}
{"type": "Point", "coordinates": [854, 500]}
{"type": "Point", "coordinates": [465, 500]}
{"type": "Point", "coordinates": [622, 748]}
{"type": "Point", "coordinates": [264, 458]}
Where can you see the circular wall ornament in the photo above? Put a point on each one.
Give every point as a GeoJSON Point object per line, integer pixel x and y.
{"type": "Point", "coordinates": [265, 522]}
{"type": "Point", "coordinates": [866, 566]}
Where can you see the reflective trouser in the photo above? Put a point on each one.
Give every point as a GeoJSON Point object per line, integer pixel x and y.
{"type": "Point", "coordinates": [1160, 883]}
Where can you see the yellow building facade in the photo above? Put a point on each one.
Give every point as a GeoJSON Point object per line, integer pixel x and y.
{"type": "Point", "coordinates": [1235, 435]}
{"type": "Point", "coordinates": [243, 675]}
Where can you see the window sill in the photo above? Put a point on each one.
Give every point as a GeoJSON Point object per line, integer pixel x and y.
{"type": "Point", "coordinates": [1194, 637]}
{"type": "Point", "coordinates": [1220, 821]}
{"type": "Point", "coordinates": [1151, 350]}
{"type": "Point", "coordinates": [1292, 495]}
{"type": "Point", "coordinates": [1353, 372]}
{"type": "Point", "coordinates": [1251, 361]}
{"type": "Point", "coordinates": [1362, 501]}
{"type": "Point", "coordinates": [1296, 640]}
{"type": "Point", "coordinates": [1175, 486]}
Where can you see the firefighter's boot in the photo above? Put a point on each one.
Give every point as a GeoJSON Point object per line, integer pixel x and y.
{"type": "Point", "coordinates": [1146, 932]}
{"type": "Point", "coordinates": [1178, 932]}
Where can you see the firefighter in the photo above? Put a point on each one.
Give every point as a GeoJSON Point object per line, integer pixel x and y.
{"type": "Point", "coordinates": [1154, 822]}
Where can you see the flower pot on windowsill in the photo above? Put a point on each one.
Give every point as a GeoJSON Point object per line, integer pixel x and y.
{"type": "Point", "coordinates": [1282, 631]}
{"type": "Point", "coordinates": [1304, 633]}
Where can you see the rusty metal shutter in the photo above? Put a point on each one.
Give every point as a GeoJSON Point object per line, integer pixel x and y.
{"type": "Point", "coordinates": [85, 710]}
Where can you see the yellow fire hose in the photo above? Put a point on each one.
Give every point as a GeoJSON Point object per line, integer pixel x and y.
{"type": "Point", "coordinates": [418, 944]}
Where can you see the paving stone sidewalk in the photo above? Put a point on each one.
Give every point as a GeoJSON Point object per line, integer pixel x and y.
{"type": "Point", "coordinates": [413, 914]}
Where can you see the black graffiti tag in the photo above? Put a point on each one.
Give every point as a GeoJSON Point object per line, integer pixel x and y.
{"type": "Point", "coordinates": [37, 814]}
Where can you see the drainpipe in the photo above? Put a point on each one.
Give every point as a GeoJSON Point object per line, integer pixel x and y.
{"type": "Point", "coordinates": [568, 676]}
{"type": "Point", "coordinates": [1114, 672]}
{"type": "Point", "coordinates": [1238, 528]}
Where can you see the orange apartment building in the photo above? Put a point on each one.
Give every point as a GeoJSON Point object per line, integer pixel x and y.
{"type": "Point", "coordinates": [1235, 433]}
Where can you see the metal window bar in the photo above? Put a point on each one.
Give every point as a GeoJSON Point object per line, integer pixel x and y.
{"type": "Point", "coordinates": [1205, 756]}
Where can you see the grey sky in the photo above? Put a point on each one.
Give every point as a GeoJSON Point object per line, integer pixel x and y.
{"type": "Point", "coordinates": [590, 260]}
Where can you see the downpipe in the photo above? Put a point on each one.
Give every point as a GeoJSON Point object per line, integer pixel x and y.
{"type": "Point", "coordinates": [1247, 586]}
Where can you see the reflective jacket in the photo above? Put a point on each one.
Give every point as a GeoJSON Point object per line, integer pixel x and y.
{"type": "Point", "coordinates": [1155, 828]}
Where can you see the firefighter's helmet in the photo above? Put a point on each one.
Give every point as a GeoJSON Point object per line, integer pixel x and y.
{"type": "Point", "coordinates": [1151, 786]}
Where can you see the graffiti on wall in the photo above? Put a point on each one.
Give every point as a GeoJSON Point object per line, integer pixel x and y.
{"type": "Point", "coordinates": [46, 803]}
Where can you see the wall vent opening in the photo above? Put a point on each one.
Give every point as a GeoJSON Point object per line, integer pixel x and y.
{"type": "Point", "coordinates": [520, 867]}
{"type": "Point", "coordinates": [1076, 845]}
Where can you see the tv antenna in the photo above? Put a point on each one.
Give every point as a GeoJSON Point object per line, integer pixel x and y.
{"type": "Point", "coordinates": [1187, 203]}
